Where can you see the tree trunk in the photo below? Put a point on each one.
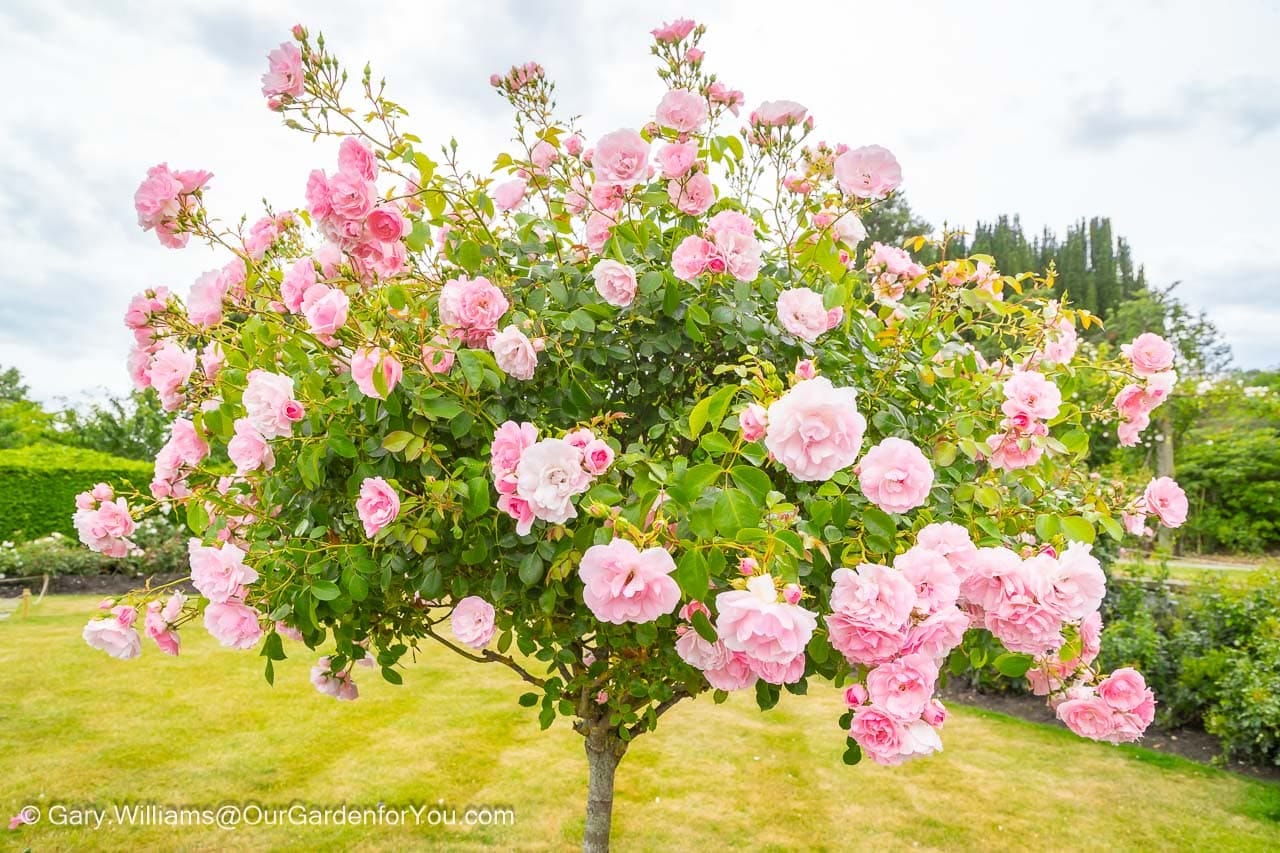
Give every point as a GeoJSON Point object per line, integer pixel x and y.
{"type": "Point", "coordinates": [604, 751]}
{"type": "Point", "coordinates": [1164, 468]}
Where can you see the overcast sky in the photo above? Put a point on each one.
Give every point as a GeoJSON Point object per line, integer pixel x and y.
{"type": "Point", "coordinates": [1164, 116]}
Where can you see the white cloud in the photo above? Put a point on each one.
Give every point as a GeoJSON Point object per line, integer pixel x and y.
{"type": "Point", "coordinates": [989, 106]}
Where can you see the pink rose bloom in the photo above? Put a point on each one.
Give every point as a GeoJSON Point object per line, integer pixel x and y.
{"type": "Point", "coordinates": [621, 157]}
{"type": "Point", "coordinates": [219, 574]}
{"type": "Point", "coordinates": [615, 282]}
{"type": "Point", "coordinates": [772, 672]}
{"type": "Point", "coordinates": [269, 403]}
{"type": "Point", "coordinates": [115, 634]}
{"type": "Point", "coordinates": [1022, 618]}
{"type": "Point", "coordinates": [573, 145]}
{"type": "Point", "coordinates": [719, 93]}
{"type": "Point", "coordinates": [1149, 354]}
{"type": "Point", "coordinates": [204, 303]}
{"type": "Point", "coordinates": [1167, 501]}
{"type": "Point", "coordinates": [755, 622]}
{"type": "Point", "coordinates": [1012, 450]}
{"type": "Point", "coordinates": [736, 674]}
{"type": "Point", "coordinates": [544, 154]}
{"type": "Point", "coordinates": [598, 225]}
{"type": "Point", "coordinates": [903, 687]}
{"type": "Point", "coordinates": [895, 475]}
{"type": "Point", "coordinates": [740, 253]}
{"type": "Point", "coordinates": [509, 195]}
{"type": "Point", "coordinates": [351, 196]}
{"type": "Point", "coordinates": [608, 197]}
{"type": "Point", "coordinates": [862, 644]}
{"type": "Point", "coordinates": [935, 714]}
{"type": "Point", "coordinates": [869, 172]}
{"type": "Point", "coordinates": [682, 111]}
{"type": "Point", "coordinates": [339, 685]}
{"type": "Point", "coordinates": [815, 429]}
{"type": "Point", "coordinates": [879, 733]}
{"type": "Point", "coordinates": [987, 567]}
{"type": "Point", "coordinates": [1123, 690]}
{"type": "Point", "coordinates": [937, 635]}
{"type": "Point", "coordinates": [597, 456]}
{"type": "Point", "coordinates": [326, 311]}
{"type": "Point", "coordinates": [190, 448]}
{"type": "Point", "coordinates": [694, 195]}
{"type": "Point", "coordinates": [624, 584]}
{"type": "Point", "coordinates": [700, 654]}
{"type": "Point", "coordinates": [157, 197]}
{"type": "Point", "coordinates": [779, 113]}
{"type": "Point", "coordinates": [366, 361]}
{"type": "Point", "coordinates": [517, 356]}
{"type": "Point", "coordinates": [754, 421]}
{"type": "Point", "coordinates": [170, 368]}
{"type": "Point", "coordinates": [318, 194]}
{"type": "Point", "coordinates": [677, 158]}
{"type": "Point", "coordinates": [1134, 523]}
{"type": "Point", "coordinates": [248, 450]}
{"type": "Point", "coordinates": [849, 229]}
{"type": "Point", "coordinates": [356, 158]}
{"type": "Point", "coordinates": [1078, 583]}
{"type": "Point", "coordinates": [329, 257]}
{"type": "Point", "coordinates": [1088, 717]}
{"type": "Point", "coordinates": [473, 306]}
{"type": "Point", "coordinates": [1028, 392]}
{"type": "Point", "coordinates": [437, 356]}
{"type": "Point", "coordinates": [386, 224]}
{"type": "Point", "coordinates": [159, 626]}
{"type": "Point", "coordinates": [801, 312]}
{"type": "Point", "coordinates": [262, 234]}
{"type": "Point", "coordinates": [674, 31]}
{"type": "Point", "coordinates": [284, 72]}
{"type": "Point", "coordinates": [509, 444]}
{"type": "Point", "coordinates": [874, 595]}
{"type": "Point", "coordinates": [233, 624]}
{"type": "Point", "coordinates": [1062, 342]}
{"type": "Point", "coordinates": [1133, 403]}
{"type": "Point", "coordinates": [1130, 431]}
{"type": "Point", "coordinates": [855, 695]}
{"type": "Point", "coordinates": [519, 509]}
{"type": "Point", "coordinates": [691, 257]}
{"type": "Point", "coordinates": [472, 622]}
{"type": "Point", "coordinates": [377, 506]}
{"type": "Point", "coordinates": [951, 541]}
{"type": "Point", "coordinates": [298, 279]}
{"type": "Point", "coordinates": [937, 585]}
{"type": "Point", "coordinates": [548, 476]}
{"type": "Point", "coordinates": [806, 369]}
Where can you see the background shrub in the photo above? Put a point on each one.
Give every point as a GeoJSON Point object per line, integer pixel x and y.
{"type": "Point", "coordinates": [39, 483]}
{"type": "Point", "coordinates": [1232, 478]}
{"type": "Point", "coordinates": [163, 552]}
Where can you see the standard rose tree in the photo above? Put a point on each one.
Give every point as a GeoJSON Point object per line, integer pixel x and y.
{"type": "Point", "coordinates": [640, 420]}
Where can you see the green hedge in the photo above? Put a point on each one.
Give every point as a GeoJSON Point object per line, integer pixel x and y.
{"type": "Point", "coordinates": [1232, 480]}
{"type": "Point", "coordinates": [39, 484]}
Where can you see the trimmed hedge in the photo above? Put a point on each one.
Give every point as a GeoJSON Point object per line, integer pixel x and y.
{"type": "Point", "coordinates": [39, 484]}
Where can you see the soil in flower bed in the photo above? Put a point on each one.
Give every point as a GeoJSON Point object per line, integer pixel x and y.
{"type": "Point", "coordinates": [1194, 744]}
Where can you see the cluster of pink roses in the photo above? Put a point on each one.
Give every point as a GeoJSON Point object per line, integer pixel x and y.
{"type": "Point", "coordinates": [347, 211]}
{"type": "Point", "coordinates": [1118, 709]}
{"type": "Point", "coordinates": [270, 412]}
{"type": "Point", "coordinates": [284, 77]}
{"type": "Point", "coordinates": [539, 479]}
{"type": "Point", "coordinates": [104, 523]}
{"type": "Point", "coordinates": [761, 633]}
{"type": "Point", "coordinates": [623, 584]}
{"type": "Point", "coordinates": [729, 245]}
{"type": "Point", "coordinates": [802, 313]}
{"type": "Point", "coordinates": [184, 450]}
{"type": "Point", "coordinates": [1164, 499]}
{"type": "Point", "coordinates": [813, 430]}
{"type": "Point", "coordinates": [1152, 359]}
{"type": "Point", "coordinates": [1029, 400]}
{"type": "Point", "coordinates": [221, 576]}
{"type": "Point", "coordinates": [163, 197]}
{"type": "Point", "coordinates": [891, 270]}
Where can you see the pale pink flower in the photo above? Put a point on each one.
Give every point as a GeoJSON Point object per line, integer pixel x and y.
{"type": "Point", "coordinates": [472, 622]}
{"type": "Point", "coordinates": [624, 584]}
{"type": "Point", "coordinates": [233, 624]}
{"type": "Point", "coordinates": [935, 579]}
{"type": "Point", "coordinates": [269, 404]}
{"type": "Point", "coordinates": [753, 420]}
{"type": "Point", "coordinates": [677, 158]}
{"type": "Point", "coordinates": [1149, 354]}
{"type": "Point", "coordinates": [736, 674]}
{"type": "Point", "coordinates": [368, 360]}
{"type": "Point", "coordinates": [674, 31]}
{"type": "Point", "coordinates": [544, 154]}
{"type": "Point", "coordinates": [1029, 393]}
{"type": "Point", "coordinates": [355, 157]}
{"type": "Point", "coordinates": [691, 257]}
{"type": "Point", "coordinates": [516, 355]}
{"type": "Point", "coordinates": [1017, 449]}
{"type": "Point", "coordinates": [874, 595]}
{"type": "Point", "coordinates": [284, 72]}
{"type": "Point", "coordinates": [903, 687]}
{"type": "Point", "coordinates": [698, 653]}
{"type": "Point", "coordinates": [170, 368]}
{"type": "Point", "coordinates": [682, 111]}
{"type": "Point", "coordinates": [509, 443]}
{"type": "Point", "coordinates": [1089, 717]}
{"type": "Point", "coordinates": [615, 282]}
{"type": "Point", "coordinates": [951, 541]}
{"type": "Point", "coordinates": [598, 230]}
{"type": "Point", "coordinates": [855, 695]}
{"type": "Point", "coordinates": [473, 306]}
{"type": "Point", "coordinates": [801, 312]}
{"type": "Point", "coordinates": [386, 224]}
{"type": "Point", "coordinates": [719, 93]}
{"type": "Point", "coordinates": [895, 475]}
{"type": "Point", "coordinates": [438, 356]}
{"type": "Point", "coordinates": [548, 476]}
{"type": "Point", "coordinates": [1167, 501]}
{"type": "Point", "coordinates": [869, 172]}
{"type": "Point", "coordinates": [326, 310]}
{"type": "Point", "coordinates": [204, 303]}
{"type": "Point", "coordinates": [298, 279]}
{"type": "Point", "coordinates": [815, 429]}
{"type": "Point", "coordinates": [693, 195]}
{"type": "Point", "coordinates": [597, 456]}
{"type": "Point", "coordinates": [248, 450]}
{"type": "Point", "coordinates": [159, 623]}
{"type": "Point", "coordinates": [377, 506]}
{"type": "Point", "coordinates": [937, 635]}
{"type": "Point", "coordinates": [1078, 583]}
{"type": "Point", "coordinates": [755, 622]}
{"type": "Point", "coordinates": [1021, 616]}
{"type": "Point", "coordinates": [115, 634]}
{"type": "Point", "coordinates": [339, 685]}
{"type": "Point", "coordinates": [740, 254]}
{"type": "Point", "coordinates": [509, 195]}
{"type": "Point", "coordinates": [621, 157]}
{"type": "Point", "coordinates": [880, 734]}
{"type": "Point", "coordinates": [219, 573]}
{"type": "Point", "coordinates": [779, 113]}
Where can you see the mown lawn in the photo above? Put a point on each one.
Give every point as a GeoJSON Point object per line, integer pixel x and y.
{"type": "Point", "coordinates": [76, 726]}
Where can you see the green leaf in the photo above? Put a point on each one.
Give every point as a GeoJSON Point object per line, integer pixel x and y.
{"type": "Point", "coordinates": [197, 517]}
{"type": "Point", "coordinates": [987, 496]}
{"type": "Point", "coordinates": [703, 626]}
{"type": "Point", "coordinates": [879, 523]}
{"type": "Point", "coordinates": [1047, 526]}
{"type": "Point", "coordinates": [325, 590]}
{"type": "Point", "coordinates": [418, 238]}
{"type": "Point", "coordinates": [711, 410]}
{"type": "Point", "coordinates": [734, 510]}
{"type": "Point", "coordinates": [1113, 527]}
{"type": "Point", "coordinates": [753, 481]}
{"type": "Point", "coordinates": [440, 407]}
{"type": "Point", "coordinates": [343, 446]}
{"type": "Point", "coordinates": [472, 364]}
{"type": "Point", "coordinates": [1013, 665]}
{"type": "Point", "coordinates": [528, 700]}
{"type": "Point", "coordinates": [391, 675]}
{"type": "Point", "coordinates": [692, 575]}
{"type": "Point", "coordinates": [853, 753]}
{"type": "Point", "coordinates": [1078, 529]}
{"type": "Point", "coordinates": [767, 694]}
{"type": "Point", "coordinates": [689, 486]}
{"type": "Point", "coordinates": [531, 569]}
{"type": "Point", "coordinates": [396, 441]}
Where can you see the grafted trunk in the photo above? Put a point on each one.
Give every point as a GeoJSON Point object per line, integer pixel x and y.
{"type": "Point", "coordinates": [604, 751]}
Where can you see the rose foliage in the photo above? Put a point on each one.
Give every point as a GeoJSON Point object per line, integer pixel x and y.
{"type": "Point", "coordinates": [640, 415]}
